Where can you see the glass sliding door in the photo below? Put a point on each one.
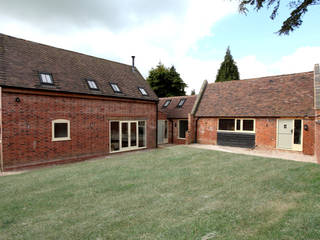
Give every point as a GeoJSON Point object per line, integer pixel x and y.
{"type": "Point", "coordinates": [133, 134]}
{"type": "Point", "coordinates": [115, 136]}
{"type": "Point", "coordinates": [124, 135]}
{"type": "Point", "coordinates": [127, 135]}
{"type": "Point", "coordinates": [142, 133]}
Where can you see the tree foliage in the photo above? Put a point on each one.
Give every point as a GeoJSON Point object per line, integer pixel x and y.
{"type": "Point", "coordinates": [193, 92]}
{"type": "Point", "coordinates": [228, 69]}
{"type": "Point", "coordinates": [294, 21]}
{"type": "Point", "coordinates": [166, 82]}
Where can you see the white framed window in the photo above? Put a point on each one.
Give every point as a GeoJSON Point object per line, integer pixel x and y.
{"type": "Point", "coordinates": [236, 125]}
{"type": "Point", "coordinates": [127, 135]}
{"type": "Point", "coordinates": [115, 87]}
{"type": "Point", "coordinates": [166, 103]}
{"type": "Point", "coordinates": [46, 78]}
{"type": "Point", "coordinates": [182, 128]}
{"type": "Point", "coordinates": [181, 102]}
{"type": "Point", "coordinates": [92, 84]}
{"type": "Point", "coordinates": [143, 91]}
{"type": "Point", "coordinates": [60, 130]}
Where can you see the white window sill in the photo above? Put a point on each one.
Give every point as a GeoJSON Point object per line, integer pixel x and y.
{"type": "Point", "coordinates": [60, 139]}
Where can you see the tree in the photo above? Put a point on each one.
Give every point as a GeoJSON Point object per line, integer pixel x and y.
{"type": "Point", "coordinates": [193, 92]}
{"type": "Point", "coordinates": [228, 69]}
{"type": "Point", "coordinates": [166, 82]}
{"type": "Point", "coordinates": [294, 21]}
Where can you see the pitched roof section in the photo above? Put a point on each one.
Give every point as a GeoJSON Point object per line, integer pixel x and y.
{"type": "Point", "coordinates": [276, 96]}
{"type": "Point", "coordinates": [172, 110]}
{"type": "Point", "coordinates": [21, 61]}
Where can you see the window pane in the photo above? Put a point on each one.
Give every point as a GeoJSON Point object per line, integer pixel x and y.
{"type": "Point", "coordinates": [45, 78]}
{"type": "Point", "coordinates": [143, 91]}
{"type": "Point", "coordinates": [92, 84]}
{"type": "Point", "coordinates": [133, 134]}
{"type": "Point", "coordinates": [297, 132]}
{"type": "Point", "coordinates": [238, 125]}
{"type": "Point", "coordinates": [247, 125]}
{"type": "Point", "coordinates": [226, 124]}
{"type": "Point", "coordinates": [183, 127]}
{"type": "Point", "coordinates": [115, 87]}
{"type": "Point", "coordinates": [115, 143]}
{"type": "Point", "coordinates": [124, 135]}
{"type": "Point", "coordinates": [142, 133]}
{"type": "Point", "coordinates": [60, 130]}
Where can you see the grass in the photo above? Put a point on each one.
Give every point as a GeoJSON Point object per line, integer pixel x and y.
{"type": "Point", "coordinates": [173, 193]}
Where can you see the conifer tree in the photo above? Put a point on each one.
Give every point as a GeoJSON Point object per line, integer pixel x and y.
{"type": "Point", "coordinates": [228, 70]}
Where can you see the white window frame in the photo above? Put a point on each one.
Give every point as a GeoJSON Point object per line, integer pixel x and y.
{"type": "Point", "coordinates": [54, 139]}
{"type": "Point", "coordinates": [115, 87]}
{"type": "Point", "coordinates": [129, 148]}
{"type": "Point", "coordinates": [241, 125]}
{"type": "Point", "coordinates": [181, 102]}
{"type": "Point", "coordinates": [46, 78]}
{"type": "Point", "coordinates": [143, 91]}
{"type": "Point", "coordinates": [179, 127]}
{"type": "Point", "coordinates": [166, 103]}
{"type": "Point", "coordinates": [92, 84]}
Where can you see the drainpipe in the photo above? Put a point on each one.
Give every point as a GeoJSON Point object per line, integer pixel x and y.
{"type": "Point", "coordinates": [1, 145]}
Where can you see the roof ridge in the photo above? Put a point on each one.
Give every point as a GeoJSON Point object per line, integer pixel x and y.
{"type": "Point", "coordinates": [259, 78]}
{"type": "Point", "coordinates": [187, 96]}
{"type": "Point", "coordinates": [63, 49]}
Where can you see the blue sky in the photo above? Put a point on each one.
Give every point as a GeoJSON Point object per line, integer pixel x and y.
{"type": "Point", "coordinates": [192, 35]}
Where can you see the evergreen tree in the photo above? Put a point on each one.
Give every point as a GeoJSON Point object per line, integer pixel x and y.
{"type": "Point", "coordinates": [193, 92]}
{"type": "Point", "coordinates": [228, 70]}
{"type": "Point", "coordinates": [297, 7]}
{"type": "Point", "coordinates": [166, 82]}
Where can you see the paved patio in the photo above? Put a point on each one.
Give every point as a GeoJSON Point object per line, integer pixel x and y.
{"type": "Point", "coordinates": [288, 155]}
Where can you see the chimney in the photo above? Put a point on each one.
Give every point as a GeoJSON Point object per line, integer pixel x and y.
{"type": "Point", "coordinates": [133, 63]}
{"type": "Point", "coordinates": [316, 86]}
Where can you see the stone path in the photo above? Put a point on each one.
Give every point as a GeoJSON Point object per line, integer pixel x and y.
{"type": "Point", "coordinates": [288, 155]}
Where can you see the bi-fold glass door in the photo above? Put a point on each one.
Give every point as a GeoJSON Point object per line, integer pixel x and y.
{"type": "Point", "coordinates": [127, 135]}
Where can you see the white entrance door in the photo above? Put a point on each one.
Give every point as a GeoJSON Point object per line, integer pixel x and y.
{"type": "Point", "coordinates": [162, 131]}
{"type": "Point", "coordinates": [289, 134]}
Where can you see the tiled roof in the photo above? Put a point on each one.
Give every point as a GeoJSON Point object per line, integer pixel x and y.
{"type": "Point", "coordinates": [21, 61]}
{"type": "Point", "coordinates": [172, 110]}
{"type": "Point", "coordinates": [276, 96]}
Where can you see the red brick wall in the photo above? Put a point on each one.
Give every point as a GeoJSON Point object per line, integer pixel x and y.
{"type": "Point", "coordinates": [309, 137]}
{"type": "Point", "coordinates": [266, 133]}
{"type": "Point", "coordinates": [27, 126]}
{"type": "Point", "coordinates": [207, 130]}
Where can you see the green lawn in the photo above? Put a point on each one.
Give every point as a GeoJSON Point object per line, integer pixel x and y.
{"type": "Point", "coordinates": [173, 193]}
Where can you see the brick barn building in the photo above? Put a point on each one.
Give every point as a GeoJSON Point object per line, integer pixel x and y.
{"type": "Point", "coordinates": [173, 118]}
{"type": "Point", "coordinates": [277, 112]}
{"type": "Point", "coordinates": [59, 105]}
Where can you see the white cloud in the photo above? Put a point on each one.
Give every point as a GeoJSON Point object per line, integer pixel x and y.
{"type": "Point", "coordinates": [167, 37]}
{"type": "Point", "coordinates": [302, 60]}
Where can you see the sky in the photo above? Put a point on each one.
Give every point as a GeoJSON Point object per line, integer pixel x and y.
{"type": "Point", "coordinates": [192, 35]}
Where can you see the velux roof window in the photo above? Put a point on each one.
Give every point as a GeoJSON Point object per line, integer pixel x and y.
{"type": "Point", "coordinates": [181, 102]}
{"type": "Point", "coordinates": [115, 87]}
{"type": "Point", "coordinates": [46, 78]}
{"type": "Point", "coordinates": [92, 84]}
{"type": "Point", "coordinates": [143, 91]}
{"type": "Point", "coordinates": [166, 103]}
